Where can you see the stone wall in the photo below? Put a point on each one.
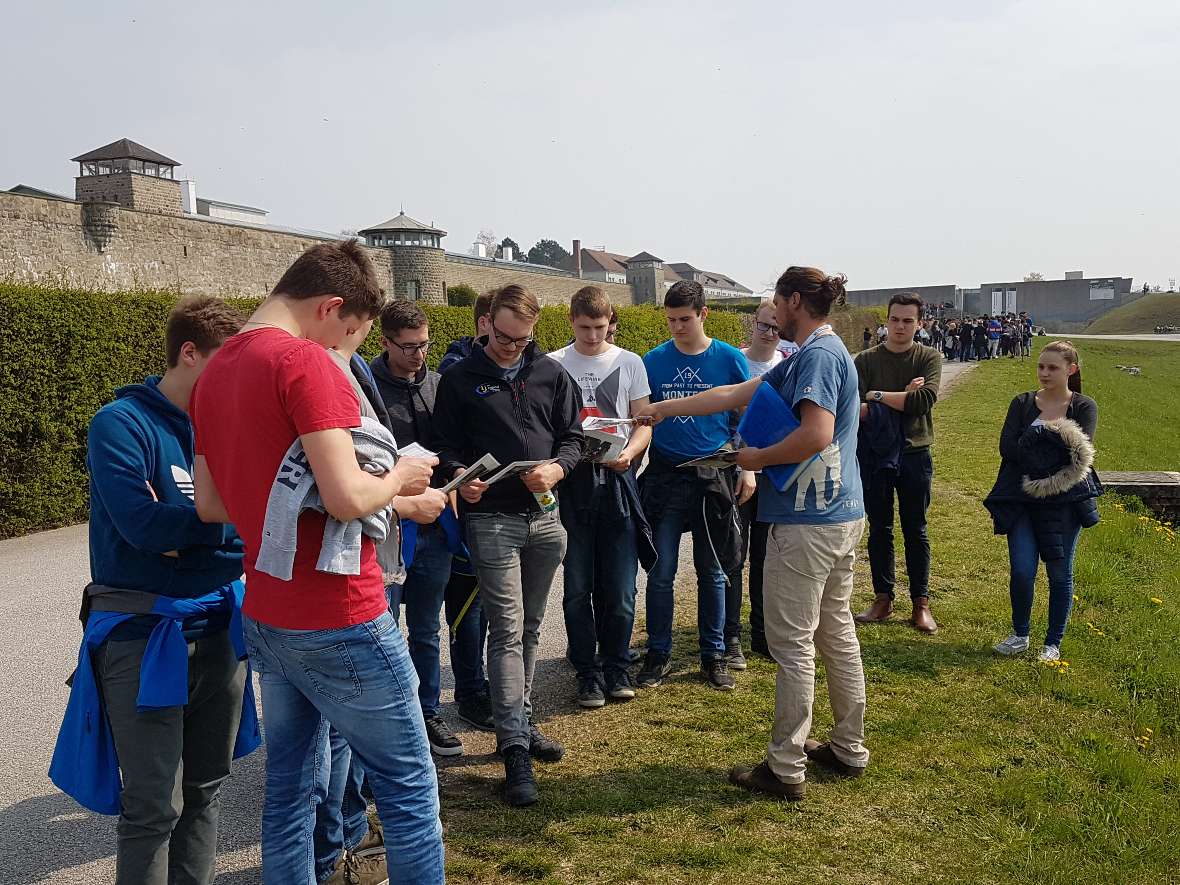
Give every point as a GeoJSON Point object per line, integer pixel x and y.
{"type": "Point", "coordinates": [549, 288]}
{"type": "Point", "coordinates": [131, 190]}
{"type": "Point", "coordinates": [425, 266]}
{"type": "Point", "coordinates": [105, 247]}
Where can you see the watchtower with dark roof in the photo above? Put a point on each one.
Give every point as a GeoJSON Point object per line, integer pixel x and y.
{"type": "Point", "coordinates": [419, 263]}
{"type": "Point", "coordinates": [127, 173]}
{"type": "Point", "coordinates": [645, 275]}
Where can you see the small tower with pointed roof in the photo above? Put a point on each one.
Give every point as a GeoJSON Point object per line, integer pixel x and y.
{"type": "Point", "coordinates": [127, 173]}
{"type": "Point", "coordinates": [419, 263]}
{"type": "Point", "coordinates": [645, 276]}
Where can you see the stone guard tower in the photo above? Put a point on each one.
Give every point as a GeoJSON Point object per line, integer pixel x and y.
{"type": "Point", "coordinates": [129, 174]}
{"type": "Point", "coordinates": [645, 275]}
{"type": "Point", "coordinates": [419, 263]}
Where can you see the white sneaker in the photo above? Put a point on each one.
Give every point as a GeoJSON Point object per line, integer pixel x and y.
{"type": "Point", "coordinates": [1013, 645]}
{"type": "Point", "coordinates": [1049, 653]}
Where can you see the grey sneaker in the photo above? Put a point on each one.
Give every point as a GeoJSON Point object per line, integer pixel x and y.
{"type": "Point", "coordinates": [716, 673]}
{"type": "Point", "coordinates": [619, 686]}
{"type": "Point", "coordinates": [590, 692]}
{"type": "Point", "coordinates": [656, 668]}
{"type": "Point", "coordinates": [1013, 645]}
{"type": "Point", "coordinates": [1050, 653]}
{"type": "Point", "coordinates": [733, 655]}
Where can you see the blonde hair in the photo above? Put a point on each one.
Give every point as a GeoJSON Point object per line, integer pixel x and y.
{"type": "Point", "coordinates": [1069, 353]}
{"type": "Point", "coordinates": [518, 299]}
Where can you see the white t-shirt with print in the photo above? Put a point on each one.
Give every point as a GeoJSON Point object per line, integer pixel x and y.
{"type": "Point", "coordinates": [759, 368]}
{"type": "Point", "coordinates": [609, 382]}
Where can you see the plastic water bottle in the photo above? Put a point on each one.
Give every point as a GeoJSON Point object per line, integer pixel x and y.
{"type": "Point", "coordinates": [547, 501]}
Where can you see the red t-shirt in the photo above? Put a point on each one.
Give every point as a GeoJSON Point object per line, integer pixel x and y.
{"type": "Point", "coordinates": [261, 391]}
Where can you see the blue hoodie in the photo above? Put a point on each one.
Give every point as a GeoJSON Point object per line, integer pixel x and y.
{"type": "Point", "coordinates": [140, 449]}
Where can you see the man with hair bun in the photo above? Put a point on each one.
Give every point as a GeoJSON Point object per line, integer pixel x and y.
{"type": "Point", "coordinates": [899, 385]}
{"type": "Point", "coordinates": [816, 523]}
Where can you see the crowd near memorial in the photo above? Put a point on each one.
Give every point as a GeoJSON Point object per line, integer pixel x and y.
{"type": "Point", "coordinates": [273, 504]}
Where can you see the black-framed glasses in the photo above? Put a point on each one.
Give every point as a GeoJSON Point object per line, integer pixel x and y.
{"type": "Point", "coordinates": [509, 341]}
{"type": "Point", "coordinates": [764, 328]}
{"type": "Point", "coordinates": [411, 349]}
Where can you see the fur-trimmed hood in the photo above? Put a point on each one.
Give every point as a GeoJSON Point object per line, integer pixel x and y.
{"type": "Point", "coordinates": [1057, 456]}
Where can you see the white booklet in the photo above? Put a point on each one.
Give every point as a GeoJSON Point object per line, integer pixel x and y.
{"type": "Point", "coordinates": [413, 450]}
{"type": "Point", "coordinates": [602, 446]}
{"type": "Point", "coordinates": [478, 470]}
{"type": "Point", "coordinates": [516, 468]}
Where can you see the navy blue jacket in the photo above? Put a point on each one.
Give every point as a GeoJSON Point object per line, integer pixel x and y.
{"type": "Point", "coordinates": [879, 443]}
{"type": "Point", "coordinates": [140, 460]}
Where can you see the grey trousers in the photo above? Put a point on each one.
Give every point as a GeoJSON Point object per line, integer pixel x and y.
{"type": "Point", "coordinates": [173, 761]}
{"type": "Point", "coordinates": [515, 557]}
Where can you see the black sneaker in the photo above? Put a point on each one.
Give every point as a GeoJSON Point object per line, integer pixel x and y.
{"type": "Point", "coordinates": [733, 655]}
{"type": "Point", "coordinates": [716, 672]}
{"type": "Point", "coordinates": [655, 670]}
{"type": "Point", "coordinates": [543, 749]}
{"type": "Point", "coordinates": [619, 686]}
{"type": "Point", "coordinates": [442, 740]}
{"type": "Point", "coordinates": [477, 712]}
{"type": "Point", "coordinates": [520, 786]}
{"type": "Point", "coordinates": [590, 692]}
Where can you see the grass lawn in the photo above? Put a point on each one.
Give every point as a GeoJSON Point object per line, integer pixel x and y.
{"type": "Point", "coordinates": [984, 769]}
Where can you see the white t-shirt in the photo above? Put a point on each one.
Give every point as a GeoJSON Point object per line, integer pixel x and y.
{"type": "Point", "coordinates": [609, 381]}
{"type": "Point", "coordinates": [758, 368]}
{"type": "Point", "coordinates": [788, 348]}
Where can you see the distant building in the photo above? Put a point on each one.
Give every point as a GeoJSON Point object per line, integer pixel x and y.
{"type": "Point", "coordinates": [127, 173]}
{"type": "Point", "coordinates": [230, 211]}
{"type": "Point", "coordinates": [1067, 305]}
{"type": "Point", "coordinates": [611, 267]}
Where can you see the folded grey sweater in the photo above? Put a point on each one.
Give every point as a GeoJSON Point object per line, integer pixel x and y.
{"type": "Point", "coordinates": [294, 490]}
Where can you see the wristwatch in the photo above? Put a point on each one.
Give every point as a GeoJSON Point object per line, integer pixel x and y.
{"type": "Point", "coordinates": [877, 396]}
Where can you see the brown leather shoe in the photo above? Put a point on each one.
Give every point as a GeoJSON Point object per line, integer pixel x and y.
{"type": "Point", "coordinates": [880, 610]}
{"type": "Point", "coordinates": [921, 618]}
{"type": "Point", "coordinates": [760, 779]}
{"type": "Point", "coordinates": [823, 756]}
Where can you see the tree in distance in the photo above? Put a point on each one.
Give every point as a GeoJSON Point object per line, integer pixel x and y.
{"type": "Point", "coordinates": [548, 252]}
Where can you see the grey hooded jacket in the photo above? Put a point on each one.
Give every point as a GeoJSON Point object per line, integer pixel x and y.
{"type": "Point", "coordinates": [294, 490]}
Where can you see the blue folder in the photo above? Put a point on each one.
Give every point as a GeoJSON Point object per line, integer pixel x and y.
{"type": "Point", "coordinates": [769, 420]}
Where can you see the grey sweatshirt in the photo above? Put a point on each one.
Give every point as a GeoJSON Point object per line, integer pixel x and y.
{"type": "Point", "coordinates": [294, 491]}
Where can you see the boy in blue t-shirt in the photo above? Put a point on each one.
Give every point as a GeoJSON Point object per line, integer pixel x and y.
{"type": "Point", "coordinates": [816, 523]}
{"type": "Point", "coordinates": [701, 499]}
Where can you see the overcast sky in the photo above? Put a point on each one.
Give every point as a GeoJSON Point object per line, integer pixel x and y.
{"type": "Point", "coordinates": [909, 142]}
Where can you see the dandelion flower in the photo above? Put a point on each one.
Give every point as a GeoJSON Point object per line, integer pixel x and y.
{"type": "Point", "coordinates": [1157, 600]}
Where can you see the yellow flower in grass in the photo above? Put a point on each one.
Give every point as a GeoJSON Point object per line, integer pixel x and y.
{"type": "Point", "coordinates": [1157, 600]}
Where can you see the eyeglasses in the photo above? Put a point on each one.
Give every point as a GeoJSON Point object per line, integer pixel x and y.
{"type": "Point", "coordinates": [509, 341]}
{"type": "Point", "coordinates": [411, 349]}
{"type": "Point", "coordinates": [765, 328]}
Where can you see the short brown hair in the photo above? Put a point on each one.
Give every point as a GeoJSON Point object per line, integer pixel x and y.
{"type": "Point", "coordinates": [204, 320]}
{"type": "Point", "coordinates": [591, 302]}
{"type": "Point", "coordinates": [818, 291]}
{"type": "Point", "coordinates": [907, 299]}
{"type": "Point", "coordinates": [686, 293]}
{"type": "Point", "coordinates": [483, 305]}
{"type": "Point", "coordinates": [518, 299]}
{"type": "Point", "coordinates": [400, 314]}
{"type": "Point", "coordinates": [341, 268]}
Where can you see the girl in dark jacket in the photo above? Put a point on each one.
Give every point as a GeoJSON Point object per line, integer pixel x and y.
{"type": "Point", "coordinates": [1046, 492]}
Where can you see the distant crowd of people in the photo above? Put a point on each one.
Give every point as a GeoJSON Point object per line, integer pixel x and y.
{"type": "Point", "coordinates": [972, 338]}
{"type": "Point", "coordinates": [348, 490]}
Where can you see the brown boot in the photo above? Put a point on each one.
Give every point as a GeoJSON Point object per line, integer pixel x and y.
{"type": "Point", "coordinates": [880, 610]}
{"type": "Point", "coordinates": [921, 618]}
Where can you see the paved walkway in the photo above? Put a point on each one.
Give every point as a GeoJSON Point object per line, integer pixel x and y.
{"type": "Point", "coordinates": [1124, 337]}
{"type": "Point", "coordinates": [47, 837]}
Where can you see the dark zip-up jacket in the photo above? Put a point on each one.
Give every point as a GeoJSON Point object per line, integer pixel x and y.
{"type": "Point", "coordinates": [410, 404]}
{"type": "Point", "coordinates": [531, 418]}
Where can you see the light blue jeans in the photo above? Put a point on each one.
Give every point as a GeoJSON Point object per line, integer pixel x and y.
{"type": "Point", "coordinates": [361, 679]}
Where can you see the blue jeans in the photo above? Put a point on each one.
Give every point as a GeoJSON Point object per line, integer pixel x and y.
{"type": "Point", "coordinates": [422, 593]}
{"type": "Point", "coordinates": [684, 509]}
{"type": "Point", "coordinates": [1024, 560]}
{"type": "Point", "coordinates": [600, 564]}
{"type": "Point", "coordinates": [360, 679]}
{"type": "Point", "coordinates": [340, 819]}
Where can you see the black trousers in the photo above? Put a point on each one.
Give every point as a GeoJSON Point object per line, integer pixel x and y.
{"type": "Point", "coordinates": [911, 487]}
{"type": "Point", "coordinates": [754, 534]}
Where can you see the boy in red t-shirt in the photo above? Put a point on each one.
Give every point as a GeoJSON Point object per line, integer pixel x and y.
{"type": "Point", "coordinates": [326, 646]}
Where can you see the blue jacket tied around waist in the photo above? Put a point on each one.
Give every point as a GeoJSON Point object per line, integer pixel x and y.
{"type": "Point", "coordinates": [85, 765]}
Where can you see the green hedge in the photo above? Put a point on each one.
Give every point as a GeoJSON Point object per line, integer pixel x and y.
{"type": "Point", "coordinates": [63, 353]}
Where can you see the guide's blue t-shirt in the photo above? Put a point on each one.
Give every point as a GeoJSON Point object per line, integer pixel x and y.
{"type": "Point", "coordinates": [673, 375]}
{"type": "Point", "coordinates": [828, 491]}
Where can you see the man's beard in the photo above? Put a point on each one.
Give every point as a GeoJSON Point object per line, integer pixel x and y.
{"type": "Point", "coordinates": [787, 332]}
